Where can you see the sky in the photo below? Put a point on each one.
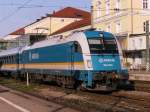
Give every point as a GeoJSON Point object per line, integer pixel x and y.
{"type": "Point", "coordinates": [15, 14]}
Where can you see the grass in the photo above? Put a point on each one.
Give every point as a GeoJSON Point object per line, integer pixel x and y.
{"type": "Point", "coordinates": [17, 85]}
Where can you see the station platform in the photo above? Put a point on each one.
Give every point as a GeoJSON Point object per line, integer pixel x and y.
{"type": "Point", "coordinates": [139, 75]}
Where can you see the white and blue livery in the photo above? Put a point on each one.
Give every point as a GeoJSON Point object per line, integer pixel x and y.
{"type": "Point", "coordinates": [86, 59]}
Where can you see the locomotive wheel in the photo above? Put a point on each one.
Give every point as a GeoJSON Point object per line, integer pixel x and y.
{"type": "Point", "coordinates": [79, 86]}
{"type": "Point", "coordinates": [114, 86]}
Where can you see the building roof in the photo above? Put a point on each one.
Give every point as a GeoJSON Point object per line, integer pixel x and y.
{"type": "Point", "coordinates": [74, 25]}
{"type": "Point", "coordinates": [70, 12]}
{"type": "Point", "coordinates": [20, 31]}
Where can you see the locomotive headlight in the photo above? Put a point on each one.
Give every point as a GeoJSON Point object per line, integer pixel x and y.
{"type": "Point", "coordinates": [89, 64]}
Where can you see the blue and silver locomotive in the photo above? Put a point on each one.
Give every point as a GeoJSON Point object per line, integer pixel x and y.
{"type": "Point", "coordinates": [86, 59]}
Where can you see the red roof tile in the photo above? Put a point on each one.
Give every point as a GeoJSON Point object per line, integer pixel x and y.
{"type": "Point", "coordinates": [20, 31]}
{"type": "Point", "coordinates": [70, 12]}
{"type": "Point", "coordinates": [74, 25]}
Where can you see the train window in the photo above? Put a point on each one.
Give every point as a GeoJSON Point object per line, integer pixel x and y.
{"type": "Point", "coordinates": [95, 41]}
{"type": "Point", "coordinates": [77, 47]}
{"type": "Point", "coordinates": [102, 45]}
{"type": "Point", "coordinates": [14, 59]}
{"type": "Point", "coordinates": [96, 45]}
{"type": "Point", "coordinates": [110, 46]}
{"type": "Point", "coordinates": [4, 59]}
{"type": "Point", "coordinates": [9, 59]}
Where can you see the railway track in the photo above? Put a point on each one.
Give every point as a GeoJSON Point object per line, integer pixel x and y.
{"type": "Point", "coordinates": [120, 101]}
{"type": "Point", "coordinates": [132, 101]}
{"type": "Point", "coordinates": [142, 86]}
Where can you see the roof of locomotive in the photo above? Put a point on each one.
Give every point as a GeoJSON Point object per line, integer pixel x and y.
{"type": "Point", "coordinates": [9, 52]}
{"type": "Point", "coordinates": [58, 40]}
{"type": "Point", "coordinates": [98, 34]}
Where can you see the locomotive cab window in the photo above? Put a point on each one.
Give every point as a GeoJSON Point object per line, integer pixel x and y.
{"type": "Point", "coordinates": [96, 45]}
{"type": "Point", "coordinates": [110, 46]}
{"type": "Point", "coordinates": [103, 44]}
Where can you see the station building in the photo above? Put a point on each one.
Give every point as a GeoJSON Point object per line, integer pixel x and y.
{"type": "Point", "coordinates": [127, 20]}
{"type": "Point", "coordinates": [62, 22]}
{"type": "Point", "coordinates": [56, 21]}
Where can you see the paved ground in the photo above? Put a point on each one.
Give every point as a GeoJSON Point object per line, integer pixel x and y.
{"type": "Point", "coordinates": [139, 76]}
{"type": "Point", "coordinates": [10, 102]}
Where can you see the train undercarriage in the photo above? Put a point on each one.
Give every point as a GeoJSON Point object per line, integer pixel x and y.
{"type": "Point", "coordinates": [104, 81]}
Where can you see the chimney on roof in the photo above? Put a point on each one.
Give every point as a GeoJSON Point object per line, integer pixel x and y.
{"type": "Point", "coordinates": [47, 15]}
{"type": "Point", "coordinates": [53, 11]}
{"type": "Point", "coordinates": [38, 20]}
{"type": "Point", "coordinates": [42, 17]}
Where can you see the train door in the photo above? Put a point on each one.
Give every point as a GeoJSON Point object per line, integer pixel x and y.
{"type": "Point", "coordinates": [75, 49]}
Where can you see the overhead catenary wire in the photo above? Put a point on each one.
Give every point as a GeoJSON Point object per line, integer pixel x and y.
{"type": "Point", "coordinates": [85, 7]}
{"type": "Point", "coordinates": [46, 6]}
{"type": "Point", "coordinates": [14, 12]}
{"type": "Point", "coordinates": [26, 5]}
{"type": "Point", "coordinates": [39, 6]}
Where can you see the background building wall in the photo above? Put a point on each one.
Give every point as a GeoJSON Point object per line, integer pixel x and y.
{"type": "Point", "coordinates": [124, 18]}
{"type": "Point", "coordinates": [48, 25]}
{"type": "Point", "coordinates": [65, 34]}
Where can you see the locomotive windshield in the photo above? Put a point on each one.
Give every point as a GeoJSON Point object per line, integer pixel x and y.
{"type": "Point", "coordinates": [96, 45]}
{"type": "Point", "coordinates": [103, 45]}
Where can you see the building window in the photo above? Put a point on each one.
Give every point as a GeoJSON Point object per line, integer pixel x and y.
{"type": "Point", "coordinates": [140, 42]}
{"type": "Point", "coordinates": [133, 43]}
{"type": "Point", "coordinates": [98, 5]}
{"type": "Point", "coordinates": [107, 6]}
{"type": "Point", "coordinates": [98, 12]}
{"type": "Point", "coordinates": [62, 20]}
{"type": "Point", "coordinates": [108, 28]}
{"type": "Point", "coordinates": [118, 4]}
{"type": "Point", "coordinates": [118, 27]}
{"type": "Point", "coordinates": [144, 26]}
{"type": "Point", "coordinates": [145, 4]}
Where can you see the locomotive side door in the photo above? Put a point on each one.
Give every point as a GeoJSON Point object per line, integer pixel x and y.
{"type": "Point", "coordinates": [75, 49]}
{"type": "Point", "coordinates": [72, 58]}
